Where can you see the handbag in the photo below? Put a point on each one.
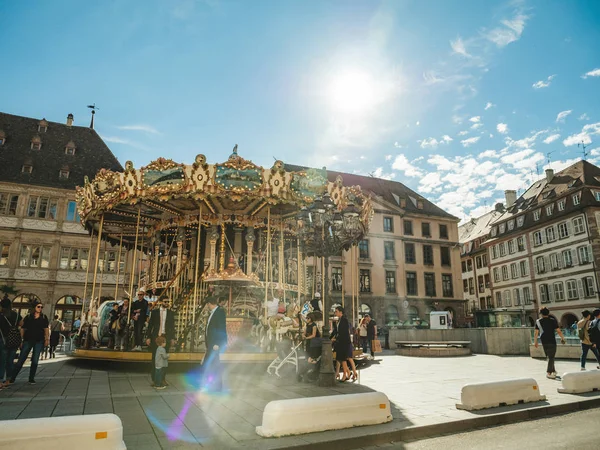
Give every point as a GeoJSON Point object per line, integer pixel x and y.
{"type": "Point", "coordinates": [316, 342]}
{"type": "Point", "coordinates": [13, 339]}
{"type": "Point", "coordinates": [376, 346]}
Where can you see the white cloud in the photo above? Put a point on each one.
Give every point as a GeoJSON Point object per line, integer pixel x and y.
{"type": "Point", "coordinates": [527, 142]}
{"type": "Point", "coordinates": [429, 182]}
{"type": "Point", "coordinates": [429, 143]}
{"type": "Point", "coordinates": [388, 157]}
{"type": "Point", "coordinates": [470, 141]}
{"type": "Point", "coordinates": [512, 158]}
{"type": "Point", "coordinates": [563, 115]}
{"type": "Point", "coordinates": [457, 119]}
{"type": "Point", "coordinates": [475, 119]}
{"type": "Point", "coordinates": [476, 126]}
{"type": "Point", "coordinates": [584, 116]}
{"type": "Point", "coordinates": [502, 128]}
{"type": "Point", "coordinates": [145, 128]}
{"type": "Point", "coordinates": [458, 46]}
{"type": "Point", "coordinates": [378, 173]}
{"type": "Point", "coordinates": [591, 73]}
{"type": "Point", "coordinates": [511, 31]}
{"type": "Point", "coordinates": [442, 163]}
{"type": "Point", "coordinates": [488, 105]}
{"type": "Point", "coordinates": [544, 83]}
{"type": "Point", "coordinates": [402, 164]}
{"type": "Point", "coordinates": [447, 139]}
{"type": "Point", "coordinates": [115, 140]}
{"type": "Point", "coordinates": [550, 139]}
{"type": "Point", "coordinates": [463, 133]}
{"type": "Point", "coordinates": [587, 131]}
{"type": "Point", "coordinates": [431, 77]}
{"type": "Point", "coordinates": [397, 144]}
{"type": "Point", "coordinates": [418, 123]}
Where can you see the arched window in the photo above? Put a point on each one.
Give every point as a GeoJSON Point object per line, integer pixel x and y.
{"type": "Point", "coordinates": [364, 309]}
{"type": "Point", "coordinates": [68, 308]}
{"type": "Point", "coordinates": [567, 321]}
{"type": "Point", "coordinates": [412, 313]}
{"type": "Point", "coordinates": [23, 303]}
{"type": "Point", "coordinates": [392, 318]}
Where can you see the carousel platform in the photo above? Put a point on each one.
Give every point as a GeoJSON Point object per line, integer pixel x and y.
{"type": "Point", "coordinates": [178, 357]}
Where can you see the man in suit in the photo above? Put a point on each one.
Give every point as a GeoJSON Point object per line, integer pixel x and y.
{"type": "Point", "coordinates": [161, 323]}
{"type": "Point", "coordinates": [139, 314]}
{"type": "Point", "coordinates": [216, 341]}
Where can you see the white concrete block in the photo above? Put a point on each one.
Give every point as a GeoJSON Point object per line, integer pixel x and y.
{"type": "Point", "coordinates": [499, 393]}
{"type": "Point", "coordinates": [89, 432]}
{"type": "Point", "coordinates": [309, 415]}
{"type": "Point", "coordinates": [579, 382]}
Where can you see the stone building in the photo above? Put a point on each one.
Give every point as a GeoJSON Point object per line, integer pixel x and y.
{"type": "Point", "coordinates": [44, 249]}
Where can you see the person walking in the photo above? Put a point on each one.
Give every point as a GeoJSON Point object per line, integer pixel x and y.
{"type": "Point", "coordinates": [584, 335]}
{"type": "Point", "coordinates": [342, 343]}
{"type": "Point", "coordinates": [312, 336]}
{"type": "Point", "coordinates": [161, 362]}
{"type": "Point", "coordinates": [362, 333]}
{"type": "Point", "coordinates": [216, 341]}
{"type": "Point", "coordinates": [10, 339]}
{"type": "Point", "coordinates": [545, 328]}
{"type": "Point", "coordinates": [139, 314]}
{"type": "Point", "coordinates": [371, 333]}
{"type": "Point", "coordinates": [56, 327]}
{"type": "Point", "coordinates": [161, 324]}
{"type": "Point", "coordinates": [36, 334]}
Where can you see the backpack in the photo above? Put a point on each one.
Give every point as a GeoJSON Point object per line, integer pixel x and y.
{"type": "Point", "coordinates": [13, 339]}
{"type": "Point", "coordinates": [581, 331]}
{"type": "Point", "coordinates": [594, 332]}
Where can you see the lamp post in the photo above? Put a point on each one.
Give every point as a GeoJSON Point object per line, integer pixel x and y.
{"type": "Point", "coordinates": [324, 231]}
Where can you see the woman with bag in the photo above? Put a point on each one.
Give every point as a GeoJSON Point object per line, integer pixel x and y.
{"type": "Point", "coordinates": [10, 340]}
{"type": "Point", "coordinates": [362, 332]}
{"type": "Point", "coordinates": [312, 335]}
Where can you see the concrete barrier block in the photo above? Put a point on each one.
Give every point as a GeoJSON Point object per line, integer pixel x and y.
{"type": "Point", "coordinates": [499, 393]}
{"type": "Point", "coordinates": [580, 382]}
{"type": "Point", "coordinates": [309, 415]}
{"type": "Point", "coordinates": [89, 432]}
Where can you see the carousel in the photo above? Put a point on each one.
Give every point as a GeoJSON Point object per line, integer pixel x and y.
{"type": "Point", "coordinates": [250, 235]}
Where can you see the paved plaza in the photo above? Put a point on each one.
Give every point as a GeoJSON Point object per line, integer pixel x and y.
{"type": "Point", "coordinates": [423, 392]}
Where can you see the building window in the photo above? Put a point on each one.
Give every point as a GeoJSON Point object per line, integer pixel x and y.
{"type": "Point", "coordinates": [498, 299]}
{"type": "Point", "coordinates": [363, 249]}
{"type": "Point", "coordinates": [502, 227]}
{"type": "Point", "coordinates": [42, 207]}
{"type": "Point", "coordinates": [576, 199]}
{"type": "Point", "coordinates": [520, 244]}
{"type": "Point", "coordinates": [471, 286]}
{"type": "Point", "coordinates": [365, 280]}
{"type": "Point", "coordinates": [336, 278]}
{"type": "Point", "coordinates": [408, 229]}
{"type": "Point", "coordinates": [540, 264]}
{"type": "Point", "coordinates": [465, 286]}
{"type": "Point", "coordinates": [496, 274]}
{"type": "Point", "coordinates": [536, 215]}
{"type": "Point", "coordinates": [559, 292]}
{"type": "Point", "coordinates": [544, 294]}
{"type": "Point", "coordinates": [428, 255]}
{"type": "Point", "coordinates": [561, 204]}
{"type": "Point", "coordinates": [75, 259]}
{"type": "Point", "coordinates": [507, 300]}
{"type": "Point", "coordinates": [72, 213]}
{"type": "Point", "coordinates": [549, 209]}
{"type": "Point", "coordinates": [36, 145]}
{"type": "Point", "coordinates": [572, 293]}
{"type": "Point", "coordinates": [27, 168]}
{"type": "Point", "coordinates": [517, 297]}
{"type": "Point", "coordinates": [563, 230]}
{"type": "Point", "coordinates": [388, 224]}
{"type": "Point", "coordinates": [480, 283]}
{"type": "Point", "coordinates": [443, 231]}
{"type": "Point", "coordinates": [550, 234]}
{"type": "Point", "coordinates": [567, 258]}
{"type": "Point", "coordinates": [584, 254]}
{"type": "Point", "coordinates": [484, 260]}
{"type": "Point", "coordinates": [511, 225]}
{"type": "Point", "coordinates": [478, 262]}
{"type": "Point", "coordinates": [1, 141]}
{"type": "Point", "coordinates": [514, 271]}
{"type": "Point", "coordinates": [494, 252]}
{"type": "Point", "coordinates": [520, 221]}
{"type": "Point", "coordinates": [430, 284]}
{"type": "Point", "coordinates": [390, 282]}
{"type": "Point", "coordinates": [523, 268]}
{"type": "Point", "coordinates": [63, 174]}
{"type": "Point", "coordinates": [526, 296]}
{"type": "Point", "coordinates": [554, 261]}
{"type": "Point", "coordinates": [409, 253]}
{"type": "Point", "coordinates": [505, 273]}
{"type": "Point", "coordinates": [70, 148]}
{"type": "Point", "coordinates": [34, 256]}
{"type": "Point", "coordinates": [464, 266]}
{"type": "Point", "coordinates": [445, 252]}
{"type": "Point", "coordinates": [588, 286]}
{"type": "Point", "coordinates": [469, 265]}
{"type": "Point", "coordinates": [538, 239]}
{"type": "Point", "coordinates": [578, 227]}
{"type": "Point", "coordinates": [447, 290]}
{"type": "Point", "coordinates": [511, 247]}
{"type": "Point", "coordinates": [8, 204]}
{"type": "Point", "coordinates": [425, 229]}
{"type": "Point", "coordinates": [502, 248]}
{"type": "Point", "coordinates": [486, 279]}
{"type": "Point", "coordinates": [411, 283]}
{"type": "Point", "coordinates": [493, 232]}
{"type": "Point", "coordinates": [388, 250]}
{"type": "Point", "coordinates": [5, 249]}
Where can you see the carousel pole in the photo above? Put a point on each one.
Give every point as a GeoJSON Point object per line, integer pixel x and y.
{"type": "Point", "coordinates": [137, 232]}
{"type": "Point", "coordinates": [281, 259]}
{"type": "Point", "coordinates": [342, 282]}
{"type": "Point", "coordinates": [119, 265]}
{"type": "Point", "coordinates": [156, 259]}
{"type": "Point", "coordinates": [357, 283]}
{"type": "Point", "coordinates": [141, 259]}
{"type": "Point", "coordinates": [326, 374]}
{"type": "Point", "coordinates": [299, 273]}
{"type": "Point", "coordinates": [87, 271]}
{"type": "Point", "coordinates": [87, 334]}
{"type": "Point", "coordinates": [267, 259]}
{"type": "Point", "coordinates": [103, 268]}
{"type": "Point", "coordinates": [197, 267]}
{"type": "Point", "coordinates": [351, 269]}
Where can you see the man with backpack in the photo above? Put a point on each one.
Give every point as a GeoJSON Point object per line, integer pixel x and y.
{"type": "Point", "coordinates": [545, 328]}
{"type": "Point", "coordinates": [10, 339]}
{"type": "Point", "coordinates": [594, 330]}
{"type": "Point", "coordinates": [583, 331]}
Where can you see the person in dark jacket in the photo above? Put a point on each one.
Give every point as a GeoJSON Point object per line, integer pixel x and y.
{"type": "Point", "coordinates": [9, 319]}
{"type": "Point", "coordinates": [139, 314]}
{"type": "Point", "coordinates": [216, 341]}
{"type": "Point", "coordinates": [161, 323]}
{"type": "Point", "coordinates": [342, 343]}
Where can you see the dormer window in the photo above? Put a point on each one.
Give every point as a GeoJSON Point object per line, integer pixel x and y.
{"type": "Point", "coordinates": [549, 209]}
{"type": "Point", "coordinates": [536, 215]}
{"type": "Point", "coordinates": [520, 221]}
{"type": "Point", "coordinates": [27, 168]}
{"type": "Point", "coordinates": [576, 199]}
{"type": "Point", "coordinates": [2, 137]}
{"type": "Point", "coordinates": [70, 148]}
{"type": "Point", "coordinates": [36, 143]}
{"type": "Point", "coordinates": [63, 174]}
{"type": "Point", "coordinates": [42, 126]}
{"type": "Point", "coordinates": [502, 228]}
{"type": "Point", "coordinates": [511, 225]}
{"type": "Point", "coordinates": [561, 204]}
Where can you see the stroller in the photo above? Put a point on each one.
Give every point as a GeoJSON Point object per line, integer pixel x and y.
{"type": "Point", "coordinates": [309, 371]}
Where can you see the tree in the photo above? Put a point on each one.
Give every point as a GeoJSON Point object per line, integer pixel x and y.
{"type": "Point", "coordinates": [9, 290]}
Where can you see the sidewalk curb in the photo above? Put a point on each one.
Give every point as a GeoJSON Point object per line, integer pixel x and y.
{"type": "Point", "coordinates": [457, 426]}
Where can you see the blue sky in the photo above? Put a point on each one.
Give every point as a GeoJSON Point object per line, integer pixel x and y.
{"type": "Point", "coordinates": [458, 100]}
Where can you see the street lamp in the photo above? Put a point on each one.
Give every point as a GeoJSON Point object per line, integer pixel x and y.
{"type": "Point", "coordinates": [324, 231]}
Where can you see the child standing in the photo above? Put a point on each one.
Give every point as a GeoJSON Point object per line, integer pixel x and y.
{"type": "Point", "coordinates": [161, 362]}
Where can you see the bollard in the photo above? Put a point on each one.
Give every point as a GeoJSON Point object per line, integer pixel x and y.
{"type": "Point", "coordinates": [580, 382]}
{"type": "Point", "coordinates": [499, 393]}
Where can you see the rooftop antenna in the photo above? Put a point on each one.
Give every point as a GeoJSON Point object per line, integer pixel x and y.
{"type": "Point", "coordinates": [583, 147]}
{"type": "Point", "coordinates": [537, 169]}
{"type": "Point", "coordinates": [548, 157]}
{"type": "Point", "coordinates": [93, 107]}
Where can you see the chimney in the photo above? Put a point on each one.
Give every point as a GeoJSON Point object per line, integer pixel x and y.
{"type": "Point", "coordinates": [70, 120]}
{"type": "Point", "coordinates": [499, 207]}
{"type": "Point", "coordinates": [511, 198]}
{"type": "Point", "coordinates": [549, 175]}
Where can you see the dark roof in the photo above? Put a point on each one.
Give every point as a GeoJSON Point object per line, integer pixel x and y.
{"type": "Point", "coordinates": [390, 191]}
{"type": "Point", "coordinates": [91, 153]}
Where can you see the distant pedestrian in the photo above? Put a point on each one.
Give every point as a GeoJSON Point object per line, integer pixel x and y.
{"type": "Point", "coordinates": [545, 328]}
{"type": "Point", "coordinates": [216, 342]}
{"type": "Point", "coordinates": [584, 335]}
{"type": "Point", "coordinates": [594, 330]}
{"type": "Point", "coordinates": [161, 362]}
{"type": "Point", "coordinates": [362, 333]}
{"type": "Point", "coordinates": [371, 333]}
{"type": "Point", "coordinates": [312, 336]}
{"type": "Point", "coordinates": [56, 326]}
{"type": "Point", "coordinates": [10, 340]}
{"type": "Point", "coordinates": [341, 343]}
{"type": "Point", "coordinates": [139, 314]}
{"type": "Point", "coordinates": [113, 317]}
{"type": "Point", "coordinates": [36, 334]}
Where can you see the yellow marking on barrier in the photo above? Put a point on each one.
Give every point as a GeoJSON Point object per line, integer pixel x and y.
{"type": "Point", "coordinates": [101, 434]}
{"type": "Point", "coordinates": [535, 388]}
{"type": "Point", "coordinates": [382, 406]}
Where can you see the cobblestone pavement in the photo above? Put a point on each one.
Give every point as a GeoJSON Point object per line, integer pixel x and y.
{"type": "Point", "coordinates": [423, 392]}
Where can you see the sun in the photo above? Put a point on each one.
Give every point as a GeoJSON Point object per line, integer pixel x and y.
{"type": "Point", "coordinates": [353, 91]}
